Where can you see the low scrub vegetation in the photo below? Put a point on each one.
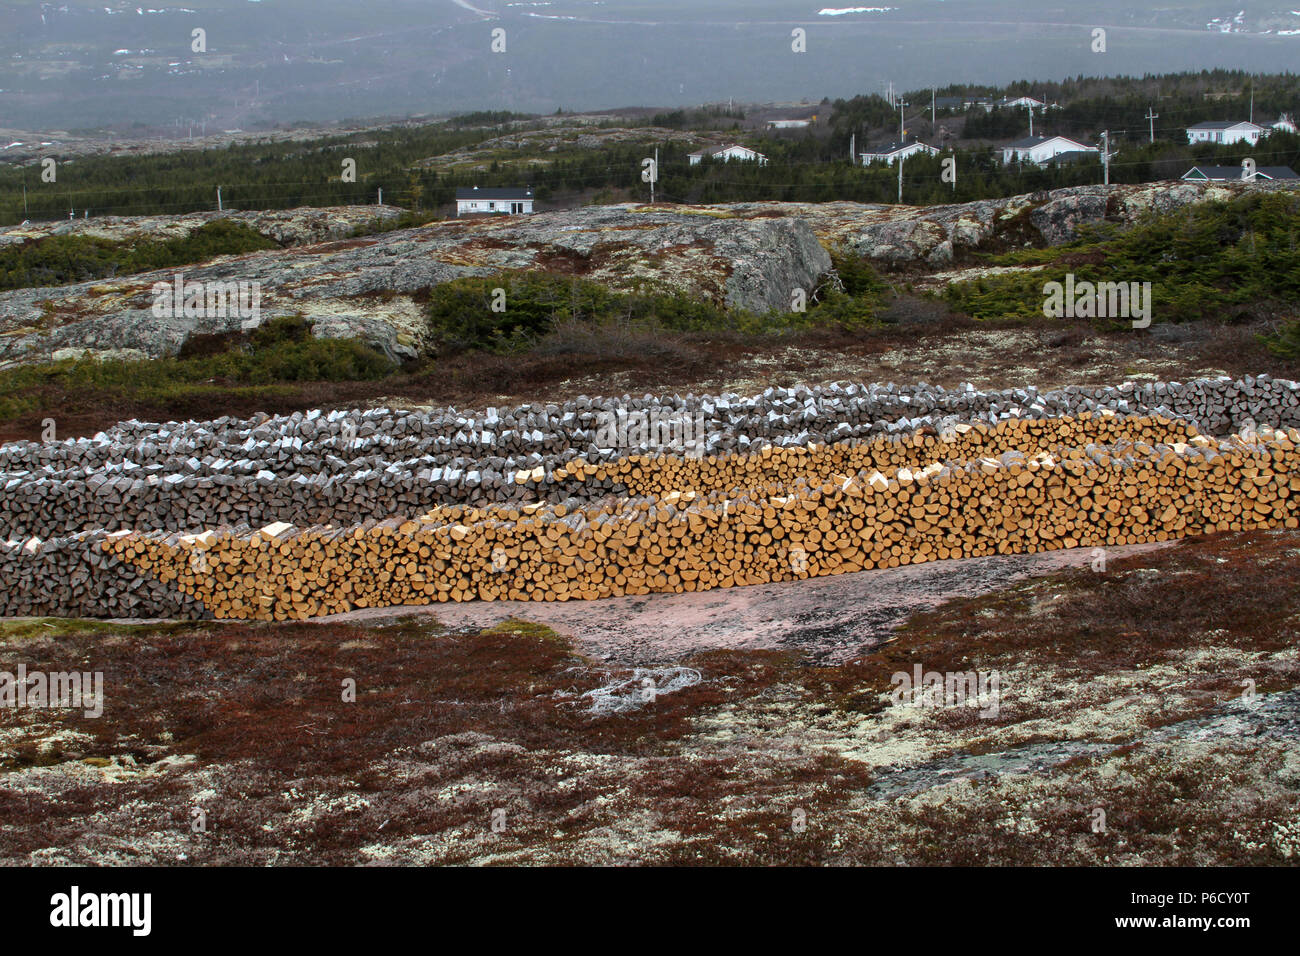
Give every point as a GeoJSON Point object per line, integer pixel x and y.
{"type": "Point", "coordinates": [1221, 261]}
{"type": "Point", "coordinates": [61, 260]}
{"type": "Point", "coordinates": [1285, 341]}
{"type": "Point", "coordinates": [280, 351]}
{"type": "Point", "coordinates": [470, 314]}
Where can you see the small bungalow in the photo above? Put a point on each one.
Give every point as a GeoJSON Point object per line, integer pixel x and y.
{"type": "Point", "coordinates": [887, 154]}
{"type": "Point", "coordinates": [1225, 133]}
{"type": "Point", "coordinates": [1042, 149]}
{"type": "Point", "coordinates": [473, 200]}
{"type": "Point", "coordinates": [726, 154]}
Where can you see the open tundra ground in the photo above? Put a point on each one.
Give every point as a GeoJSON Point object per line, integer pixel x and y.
{"type": "Point", "coordinates": [1124, 733]}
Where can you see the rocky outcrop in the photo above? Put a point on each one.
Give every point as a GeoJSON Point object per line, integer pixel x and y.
{"type": "Point", "coordinates": [748, 255]}
{"type": "Point", "coordinates": [934, 236]}
{"type": "Point", "coordinates": [289, 227]}
{"type": "Point", "coordinates": [365, 287]}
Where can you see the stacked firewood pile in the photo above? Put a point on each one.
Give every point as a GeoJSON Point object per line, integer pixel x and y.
{"type": "Point", "coordinates": [604, 495]}
{"type": "Point", "coordinates": [773, 515]}
{"type": "Point", "coordinates": [349, 466]}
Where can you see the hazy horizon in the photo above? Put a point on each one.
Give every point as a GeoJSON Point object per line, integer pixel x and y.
{"type": "Point", "coordinates": [82, 65]}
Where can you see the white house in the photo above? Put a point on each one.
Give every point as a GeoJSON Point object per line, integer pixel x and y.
{"type": "Point", "coordinates": [1024, 101]}
{"type": "Point", "coordinates": [789, 124]}
{"type": "Point", "coordinates": [1285, 124]}
{"type": "Point", "coordinates": [472, 201]}
{"type": "Point", "coordinates": [1229, 174]}
{"type": "Point", "coordinates": [887, 154]}
{"type": "Point", "coordinates": [1042, 149]}
{"type": "Point", "coordinates": [1225, 133]}
{"type": "Point", "coordinates": [726, 154]}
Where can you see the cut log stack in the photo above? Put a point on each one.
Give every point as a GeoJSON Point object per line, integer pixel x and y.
{"type": "Point", "coordinates": [547, 486]}
{"type": "Point", "coordinates": [1093, 494]}
{"type": "Point", "coordinates": [348, 467]}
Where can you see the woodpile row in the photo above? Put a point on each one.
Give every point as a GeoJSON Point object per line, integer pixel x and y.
{"type": "Point", "coordinates": [194, 503]}
{"type": "Point", "coordinates": [58, 499]}
{"type": "Point", "coordinates": [1090, 495]}
{"type": "Point", "coordinates": [345, 467]}
{"type": "Point", "coordinates": [73, 576]}
{"type": "Point", "coordinates": [660, 474]}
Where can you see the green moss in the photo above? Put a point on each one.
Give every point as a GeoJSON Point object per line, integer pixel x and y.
{"type": "Point", "coordinates": [520, 628]}
{"type": "Point", "coordinates": [36, 628]}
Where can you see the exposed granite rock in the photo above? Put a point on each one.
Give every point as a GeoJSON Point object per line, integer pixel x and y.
{"type": "Point", "coordinates": [910, 236]}
{"type": "Point", "coordinates": [289, 227]}
{"type": "Point", "coordinates": [747, 255]}
{"type": "Point", "coordinates": [363, 287]}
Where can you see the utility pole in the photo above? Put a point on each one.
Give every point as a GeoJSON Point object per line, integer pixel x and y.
{"type": "Point", "coordinates": [902, 105]}
{"type": "Point", "coordinates": [1152, 116]}
{"type": "Point", "coordinates": [933, 120]}
{"type": "Point", "coordinates": [219, 206]}
{"type": "Point", "coordinates": [900, 180]}
{"type": "Point", "coordinates": [656, 177]}
{"type": "Point", "coordinates": [853, 149]}
{"type": "Point", "coordinates": [381, 196]}
{"type": "Point", "coordinates": [1105, 154]}
{"type": "Point", "coordinates": [24, 200]}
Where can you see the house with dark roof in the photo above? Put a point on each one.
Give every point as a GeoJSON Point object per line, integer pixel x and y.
{"type": "Point", "coordinates": [1043, 149]}
{"type": "Point", "coordinates": [1228, 174]}
{"type": "Point", "coordinates": [892, 151]}
{"type": "Point", "coordinates": [725, 154]}
{"type": "Point", "coordinates": [478, 201]}
{"type": "Point", "coordinates": [1225, 133]}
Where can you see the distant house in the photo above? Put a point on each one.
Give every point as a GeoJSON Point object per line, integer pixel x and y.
{"type": "Point", "coordinates": [988, 104]}
{"type": "Point", "coordinates": [1228, 174]}
{"type": "Point", "coordinates": [726, 154]}
{"type": "Point", "coordinates": [1225, 133]}
{"type": "Point", "coordinates": [1022, 102]}
{"type": "Point", "coordinates": [789, 124]}
{"type": "Point", "coordinates": [1285, 124]}
{"type": "Point", "coordinates": [887, 154]}
{"type": "Point", "coordinates": [473, 200]}
{"type": "Point", "coordinates": [1043, 149]}
{"type": "Point", "coordinates": [960, 103]}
